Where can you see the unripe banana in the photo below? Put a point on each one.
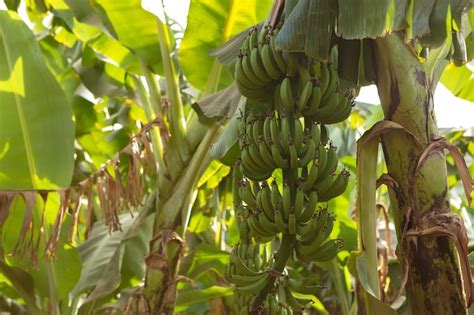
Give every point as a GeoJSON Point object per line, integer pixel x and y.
{"type": "Point", "coordinates": [280, 222]}
{"type": "Point", "coordinates": [316, 134]}
{"type": "Point", "coordinates": [286, 201]}
{"type": "Point", "coordinates": [327, 251]}
{"type": "Point", "coordinates": [257, 65]}
{"type": "Point", "coordinates": [309, 209]}
{"type": "Point", "coordinates": [309, 154]}
{"type": "Point", "coordinates": [333, 80]}
{"type": "Point", "coordinates": [278, 158]}
{"type": "Point", "coordinates": [305, 97]}
{"type": "Point", "coordinates": [243, 280]}
{"type": "Point", "coordinates": [266, 155]}
{"type": "Point", "coordinates": [267, 202]}
{"type": "Point", "coordinates": [285, 134]}
{"type": "Point", "coordinates": [298, 134]}
{"type": "Point", "coordinates": [337, 187]}
{"type": "Point", "coordinates": [324, 134]}
{"type": "Point", "coordinates": [311, 178]}
{"type": "Point", "coordinates": [270, 65]}
{"type": "Point", "coordinates": [293, 156]}
{"type": "Point", "coordinates": [247, 67]}
{"type": "Point", "coordinates": [331, 163]}
{"type": "Point", "coordinates": [315, 101]}
{"type": "Point", "coordinates": [267, 225]}
{"type": "Point", "coordinates": [253, 288]}
{"type": "Point", "coordinates": [292, 224]}
{"type": "Point", "coordinates": [242, 268]}
{"type": "Point", "coordinates": [287, 96]}
{"type": "Point", "coordinates": [247, 195]}
{"type": "Point", "coordinates": [278, 55]}
{"type": "Point", "coordinates": [275, 134]}
{"type": "Point", "coordinates": [257, 228]}
{"type": "Point", "coordinates": [299, 201]}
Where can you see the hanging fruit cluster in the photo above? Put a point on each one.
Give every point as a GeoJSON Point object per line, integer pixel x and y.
{"type": "Point", "coordinates": [282, 133]}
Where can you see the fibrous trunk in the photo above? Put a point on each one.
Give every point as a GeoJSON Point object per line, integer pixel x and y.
{"type": "Point", "coordinates": [434, 283]}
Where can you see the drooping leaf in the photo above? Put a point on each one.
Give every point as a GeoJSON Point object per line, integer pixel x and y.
{"type": "Point", "coordinates": [189, 297]}
{"type": "Point", "coordinates": [361, 19]}
{"type": "Point", "coordinates": [460, 81]}
{"type": "Point", "coordinates": [102, 255]}
{"type": "Point", "coordinates": [134, 27]}
{"type": "Point", "coordinates": [210, 24]}
{"type": "Point", "coordinates": [220, 105]}
{"type": "Point", "coordinates": [36, 123]}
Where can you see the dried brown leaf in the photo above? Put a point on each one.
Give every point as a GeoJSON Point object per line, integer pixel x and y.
{"type": "Point", "coordinates": [6, 199]}
{"type": "Point", "coordinates": [437, 146]}
{"type": "Point", "coordinates": [56, 231]}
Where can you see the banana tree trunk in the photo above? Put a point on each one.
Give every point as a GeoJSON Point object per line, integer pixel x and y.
{"type": "Point", "coordinates": [434, 283]}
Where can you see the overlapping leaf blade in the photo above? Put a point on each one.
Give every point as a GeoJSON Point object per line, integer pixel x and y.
{"type": "Point", "coordinates": [210, 24]}
{"type": "Point", "coordinates": [36, 123]}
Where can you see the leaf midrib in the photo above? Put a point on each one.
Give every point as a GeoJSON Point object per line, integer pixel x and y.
{"type": "Point", "coordinates": [21, 115]}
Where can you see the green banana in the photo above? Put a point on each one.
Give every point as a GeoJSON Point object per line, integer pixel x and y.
{"type": "Point", "coordinates": [286, 201]}
{"type": "Point", "coordinates": [247, 195]}
{"type": "Point", "coordinates": [337, 187]}
{"type": "Point", "coordinates": [305, 96]}
{"type": "Point", "coordinates": [324, 134]}
{"type": "Point", "coordinates": [266, 155]}
{"type": "Point", "coordinates": [276, 197]}
{"type": "Point", "coordinates": [243, 269]}
{"type": "Point", "coordinates": [243, 280]}
{"type": "Point", "coordinates": [315, 101]}
{"type": "Point", "coordinates": [326, 252]}
{"type": "Point", "coordinates": [257, 228]}
{"type": "Point", "coordinates": [292, 302]}
{"type": "Point", "coordinates": [266, 201]}
{"type": "Point", "coordinates": [311, 178]}
{"type": "Point", "coordinates": [315, 133]}
{"type": "Point", "coordinates": [293, 156]}
{"type": "Point", "coordinates": [329, 106]}
{"type": "Point", "coordinates": [254, 287]}
{"type": "Point", "coordinates": [331, 87]}
{"type": "Point", "coordinates": [309, 154]}
{"type": "Point", "coordinates": [323, 185]}
{"type": "Point", "coordinates": [278, 55]}
{"type": "Point", "coordinates": [275, 134]}
{"type": "Point", "coordinates": [270, 65]}
{"type": "Point", "coordinates": [247, 68]}
{"type": "Point", "coordinates": [257, 65]}
{"type": "Point", "coordinates": [267, 225]}
{"type": "Point", "coordinates": [309, 209]}
{"type": "Point", "coordinates": [280, 222]}
{"type": "Point", "coordinates": [299, 201]}
{"type": "Point", "coordinates": [278, 158]}
{"type": "Point", "coordinates": [324, 77]}
{"type": "Point", "coordinates": [331, 163]}
{"type": "Point", "coordinates": [292, 223]}
{"type": "Point", "coordinates": [298, 134]}
{"type": "Point", "coordinates": [287, 96]}
{"type": "Point", "coordinates": [285, 134]}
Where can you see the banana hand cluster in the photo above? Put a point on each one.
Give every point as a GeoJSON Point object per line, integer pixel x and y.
{"type": "Point", "coordinates": [247, 271]}
{"type": "Point", "coordinates": [259, 65]}
{"type": "Point", "coordinates": [321, 99]}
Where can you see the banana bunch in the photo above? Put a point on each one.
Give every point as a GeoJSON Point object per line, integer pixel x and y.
{"type": "Point", "coordinates": [320, 98]}
{"type": "Point", "coordinates": [247, 271]}
{"type": "Point", "coordinates": [259, 65]}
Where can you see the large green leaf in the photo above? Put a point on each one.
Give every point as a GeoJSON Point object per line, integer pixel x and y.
{"type": "Point", "coordinates": [36, 122]}
{"type": "Point", "coordinates": [135, 28]}
{"type": "Point", "coordinates": [103, 255]}
{"type": "Point", "coordinates": [359, 19]}
{"type": "Point", "coordinates": [211, 23]}
{"type": "Point", "coordinates": [460, 81]}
